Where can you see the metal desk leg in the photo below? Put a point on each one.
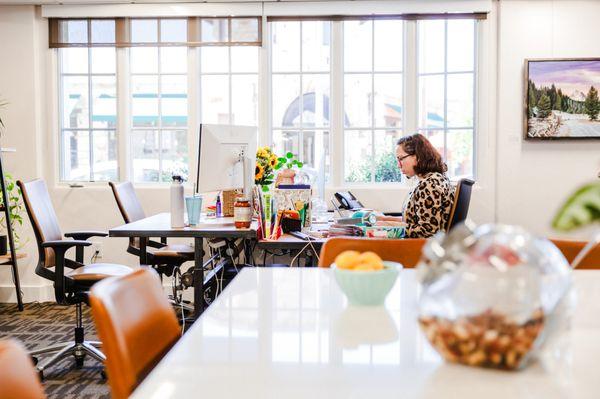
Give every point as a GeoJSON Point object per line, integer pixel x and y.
{"type": "Point", "coordinates": [143, 251]}
{"type": "Point", "coordinates": [198, 278]}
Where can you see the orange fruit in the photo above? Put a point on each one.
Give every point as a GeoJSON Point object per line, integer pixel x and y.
{"type": "Point", "coordinates": [347, 259]}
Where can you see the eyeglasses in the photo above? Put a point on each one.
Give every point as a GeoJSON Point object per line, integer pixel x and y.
{"type": "Point", "coordinates": [400, 159]}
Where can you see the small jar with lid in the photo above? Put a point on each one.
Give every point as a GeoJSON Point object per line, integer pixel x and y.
{"type": "Point", "coordinates": [242, 213]}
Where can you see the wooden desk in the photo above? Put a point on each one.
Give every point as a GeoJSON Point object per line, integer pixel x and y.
{"type": "Point", "coordinates": [160, 226]}
{"type": "Point", "coordinates": [288, 333]}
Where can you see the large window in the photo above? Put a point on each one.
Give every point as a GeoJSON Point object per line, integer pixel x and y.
{"type": "Point", "coordinates": [88, 105]}
{"type": "Point", "coordinates": [148, 117]}
{"type": "Point", "coordinates": [300, 94]}
{"type": "Point", "coordinates": [446, 90]}
{"type": "Point", "coordinates": [229, 85]}
{"type": "Point", "coordinates": [338, 94]}
{"type": "Point", "coordinates": [159, 110]}
{"type": "Point", "coordinates": [383, 93]}
{"type": "Point", "coordinates": [373, 65]}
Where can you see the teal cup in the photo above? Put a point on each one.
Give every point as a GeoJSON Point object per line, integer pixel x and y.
{"type": "Point", "coordinates": [194, 206]}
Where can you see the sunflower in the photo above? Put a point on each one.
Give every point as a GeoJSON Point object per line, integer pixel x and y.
{"type": "Point", "coordinates": [261, 153]}
{"type": "Point", "coordinates": [273, 161]}
{"type": "Point", "coordinates": [259, 172]}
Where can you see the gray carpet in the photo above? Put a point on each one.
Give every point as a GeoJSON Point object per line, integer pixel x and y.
{"type": "Point", "coordinates": [43, 324]}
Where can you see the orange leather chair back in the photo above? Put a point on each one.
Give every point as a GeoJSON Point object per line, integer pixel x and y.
{"type": "Point", "coordinates": [406, 251]}
{"type": "Point", "coordinates": [136, 325]}
{"type": "Point", "coordinates": [570, 249]}
{"type": "Point", "coordinates": [18, 378]}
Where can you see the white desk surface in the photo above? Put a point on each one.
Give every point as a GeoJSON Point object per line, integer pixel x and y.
{"type": "Point", "coordinates": [288, 333]}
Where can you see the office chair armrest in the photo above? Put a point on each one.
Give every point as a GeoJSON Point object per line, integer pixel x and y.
{"type": "Point", "coordinates": [64, 245]}
{"type": "Point", "coordinates": [60, 247]}
{"type": "Point", "coordinates": [156, 244]}
{"type": "Point", "coordinates": [84, 235]}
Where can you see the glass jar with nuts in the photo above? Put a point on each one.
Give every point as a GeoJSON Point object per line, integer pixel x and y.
{"type": "Point", "coordinates": [491, 294]}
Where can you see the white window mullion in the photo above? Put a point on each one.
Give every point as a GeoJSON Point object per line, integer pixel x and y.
{"type": "Point", "coordinates": [123, 115]}
{"type": "Point", "coordinates": [193, 96]}
{"type": "Point", "coordinates": [372, 101]}
{"type": "Point", "coordinates": [410, 98]}
{"type": "Point", "coordinates": [445, 91]}
{"type": "Point", "coordinates": [230, 80]}
{"type": "Point", "coordinates": [336, 104]}
{"type": "Point", "coordinates": [265, 100]}
{"type": "Point", "coordinates": [90, 110]}
{"type": "Point", "coordinates": [301, 93]}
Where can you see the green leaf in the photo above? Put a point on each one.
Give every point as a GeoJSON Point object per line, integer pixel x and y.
{"type": "Point", "coordinates": [580, 209]}
{"type": "Point", "coordinates": [289, 155]}
{"type": "Point", "coordinates": [300, 164]}
{"type": "Point", "coordinates": [265, 188]}
{"type": "Point", "coordinates": [281, 159]}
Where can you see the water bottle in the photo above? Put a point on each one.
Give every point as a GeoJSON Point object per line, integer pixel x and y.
{"type": "Point", "coordinates": [177, 217]}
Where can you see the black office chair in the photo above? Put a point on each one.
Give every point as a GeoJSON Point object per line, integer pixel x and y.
{"type": "Point", "coordinates": [462, 199]}
{"type": "Point", "coordinates": [165, 259]}
{"type": "Point", "coordinates": [72, 279]}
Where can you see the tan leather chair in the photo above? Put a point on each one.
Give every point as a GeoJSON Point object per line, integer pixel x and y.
{"type": "Point", "coordinates": [165, 259]}
{"type": "Point", "coordinates": [570, 249]}
{"type": "Point", "coordinates": [18, 377]}
{"type": "Point", "coordinates": [137, 325]}
{"type": "Point", "coordinates": [72, 279]}
{"type": "Point", "coordinates": [406, 251]}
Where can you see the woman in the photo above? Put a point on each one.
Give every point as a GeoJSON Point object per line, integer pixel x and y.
{"type": "Point", "coordinates": [428, 206]}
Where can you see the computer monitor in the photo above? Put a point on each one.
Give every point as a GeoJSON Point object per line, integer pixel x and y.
{"type": "Point", "coordinates": [226, 158]}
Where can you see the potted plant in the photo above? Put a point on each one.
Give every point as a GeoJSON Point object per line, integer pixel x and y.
{"type": "Point", "coordinates": [15, 205]}
{"type": "Point", "coordinates": [15, 208]}
{"type": "Point", "coordinates": [287, 175]}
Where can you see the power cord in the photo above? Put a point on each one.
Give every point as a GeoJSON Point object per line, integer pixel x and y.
{"type": "Point", "coordinates": [309, 244]}
{"type": "Point", "coordinates": [95, 256]}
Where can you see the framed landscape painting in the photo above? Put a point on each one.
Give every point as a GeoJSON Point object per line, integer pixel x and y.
{"type": "Point", "coordinates": [561, 99]}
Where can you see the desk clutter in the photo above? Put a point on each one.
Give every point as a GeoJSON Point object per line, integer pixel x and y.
{"type": "Point", "coordinates": [286, 209]}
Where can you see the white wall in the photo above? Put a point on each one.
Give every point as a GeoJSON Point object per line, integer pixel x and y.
{"type": "Point", "coordinates": [518, 182]}
{"type": "Point", "coordinates": [535, 177]}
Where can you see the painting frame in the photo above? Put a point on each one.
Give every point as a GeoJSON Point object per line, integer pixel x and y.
{"type": "Point", "coordinates": [526, 111]}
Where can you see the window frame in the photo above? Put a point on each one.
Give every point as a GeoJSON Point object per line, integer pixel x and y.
{"type": "Point", "coordinates": [90, 129]}
{"type": "Point", "coordinates": [373, 128]}
{"type": "Point", "coordinates": [410, 78]}
{"type": "Point", "coordinates": [301, 128]}
{"type": "Point", "coordinates": [159, 128]}
{"type": "Point", "coordinates": [445, 129]}
{"type": "Point", "coordinates": [265, 122]}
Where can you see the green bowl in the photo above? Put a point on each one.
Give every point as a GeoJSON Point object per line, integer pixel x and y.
{"type": "Point", "coordinates": [367, 288]}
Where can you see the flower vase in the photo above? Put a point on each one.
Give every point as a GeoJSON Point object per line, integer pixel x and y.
{"type": "Point", "coordinates": [286, 176]}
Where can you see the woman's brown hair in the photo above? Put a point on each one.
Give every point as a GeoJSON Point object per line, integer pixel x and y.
{"type": "Point", "coordinates": [428, 158]}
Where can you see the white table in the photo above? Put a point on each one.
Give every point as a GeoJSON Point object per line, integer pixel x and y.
{"type": "Point", "coordinates": [288, 333]}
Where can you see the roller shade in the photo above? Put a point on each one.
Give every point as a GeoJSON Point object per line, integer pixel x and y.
{"type": "Point", "coordinates": [139, 32]}
{"type": "Point", "coordinates": [400, 9]}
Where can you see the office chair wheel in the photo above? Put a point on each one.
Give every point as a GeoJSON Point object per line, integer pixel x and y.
{"type": "Point", "coordinates": [41, 375]}
{"type": "Point", "coordinates": [35, 360]}
{"type": "Point", "coordinates": [103, 375]}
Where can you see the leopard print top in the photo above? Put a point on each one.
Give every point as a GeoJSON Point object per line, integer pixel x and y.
{"type": "Point", "coordinates": [429, 204]}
